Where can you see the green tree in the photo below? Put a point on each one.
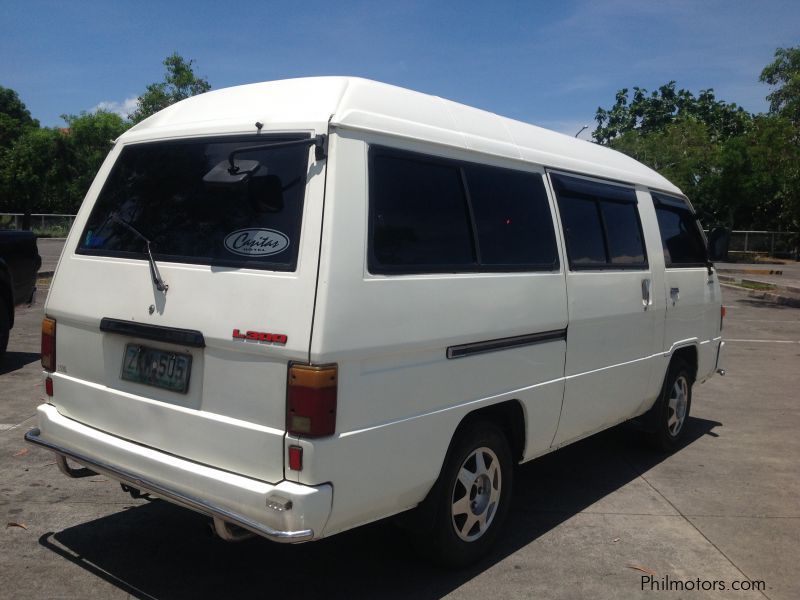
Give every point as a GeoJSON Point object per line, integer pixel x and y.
{"type": "Point", "coordinates": [88, 139]}
{"type": "Point", "coordinates": [783, 75]}
{"type": "Point", "coordinates": [179, 83]}
{"type": "Point", "coordinates": [28, 172]}
{"type": "Point", "coordinates": [14, 118]}
{"type": "Point", "coordinates": [647, 112]}
{"type": "Point", "coordinates": [761, 170]}
{"type": "Point", "coordinates": [682, 151]}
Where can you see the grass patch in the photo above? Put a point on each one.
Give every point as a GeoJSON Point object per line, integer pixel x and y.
{"type": "Point", "coordinates": [53, 231]}
{"type": "Point", "coordinates": [755, 285]}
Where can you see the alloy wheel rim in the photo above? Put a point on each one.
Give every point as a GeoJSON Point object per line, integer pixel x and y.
{"type": "Point", "coordinates": [476, 494]}
{"type": "Point", "coordinates": [677, 404]}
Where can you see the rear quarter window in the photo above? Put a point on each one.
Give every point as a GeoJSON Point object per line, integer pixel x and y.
{"type": "Point", "coordinates": [159, 190]}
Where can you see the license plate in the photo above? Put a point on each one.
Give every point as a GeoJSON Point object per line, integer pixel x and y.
{"type": "Point", "coordinates": [159, 368]}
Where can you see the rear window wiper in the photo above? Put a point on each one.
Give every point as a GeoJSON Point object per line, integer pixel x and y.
{"type": "Point", "coordinates": [161, 286]}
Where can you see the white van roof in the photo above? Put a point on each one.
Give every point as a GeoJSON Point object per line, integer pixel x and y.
{"type": "Point", "coordinates": [355, 103]}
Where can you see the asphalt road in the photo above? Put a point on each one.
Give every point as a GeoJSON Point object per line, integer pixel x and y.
{"type": "Point", "coordinates": [588, 521]}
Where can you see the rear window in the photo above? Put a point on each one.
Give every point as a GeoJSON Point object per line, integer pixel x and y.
{"type": "Point", "coordinates": [158, 189]}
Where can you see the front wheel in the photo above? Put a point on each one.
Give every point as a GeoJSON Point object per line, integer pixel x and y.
{"type": "Point", "coordinates": [473, 495]}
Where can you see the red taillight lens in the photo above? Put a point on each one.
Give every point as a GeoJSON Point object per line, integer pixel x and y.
{"type": "Point", "coordinates": [49, 344]}
{"type": "Point", "coordinates": [48, 386]}
{"type": "Point", "coordinates": [296, 458]}
{"type": "Point", "coordinates": [311, 400]}
{"type": "Point", "coordinates": [722, 312]}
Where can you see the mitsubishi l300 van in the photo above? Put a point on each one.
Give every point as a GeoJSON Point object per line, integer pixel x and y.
{"type": "Point", "coordinates": [305, 305]}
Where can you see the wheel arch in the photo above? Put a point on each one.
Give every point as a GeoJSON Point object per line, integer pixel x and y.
{"type": "Point", "coordinates": [687, 354]}
{"type": "Point", "coordinates": [508, 416]}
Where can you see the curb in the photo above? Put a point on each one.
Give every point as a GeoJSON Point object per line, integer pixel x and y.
{"type": "Point", "coordinates": [774, 287]}
{"type": "Point", "coordinates": [768, 296]}
{"type": "Point", "coordinates": [752, 271]}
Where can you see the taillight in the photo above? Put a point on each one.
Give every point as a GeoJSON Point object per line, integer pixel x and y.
{"type": "Point", "coordinates": [722, 312]}
{"type": "Point", "coordinates": [49, 344]}
{"type": "Point", "coordinates": [311, 400]}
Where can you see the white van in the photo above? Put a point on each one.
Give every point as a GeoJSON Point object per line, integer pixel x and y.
{"type": "Point", "coordinates": [304, 305]}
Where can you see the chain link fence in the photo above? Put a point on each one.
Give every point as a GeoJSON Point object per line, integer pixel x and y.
{"type": "Point", "coordinates": [43, 225]}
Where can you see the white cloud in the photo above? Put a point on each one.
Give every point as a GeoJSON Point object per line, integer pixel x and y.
{"type": "Point", "coordinates": [123, 109]}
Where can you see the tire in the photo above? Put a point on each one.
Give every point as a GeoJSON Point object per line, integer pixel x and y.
{"type": "Point", "coordinates": [5, 328]}
{"type": "Point", "coordinates": [672, 408]}
{"type": "Point", "coordinates": [471, 498]}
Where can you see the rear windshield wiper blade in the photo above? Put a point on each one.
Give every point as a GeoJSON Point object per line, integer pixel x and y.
{"type": "Point", "coordinates": [161, 286]}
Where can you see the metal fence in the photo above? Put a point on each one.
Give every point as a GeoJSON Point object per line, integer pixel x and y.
{"type": "Point", "coordinates": [768, 243]}
{"type": "Point", "coordinates": [53, 225]}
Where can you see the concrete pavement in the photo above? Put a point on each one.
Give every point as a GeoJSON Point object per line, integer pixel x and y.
{"type": "Point", "coordinates": [588, 521]}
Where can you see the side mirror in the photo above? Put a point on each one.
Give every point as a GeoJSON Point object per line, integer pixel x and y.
{"type": "Point", "coordinates": [718, 241]}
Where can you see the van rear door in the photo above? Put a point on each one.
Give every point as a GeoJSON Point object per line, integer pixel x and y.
{"type": "Point", "coordinates": [185, 290]}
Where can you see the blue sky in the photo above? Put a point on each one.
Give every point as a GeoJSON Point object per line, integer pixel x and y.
{"type": "Point", "coordinates": [549, 63]}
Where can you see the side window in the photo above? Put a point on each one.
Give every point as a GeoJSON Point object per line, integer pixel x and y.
{"type": "Point", "coordinates": [681, 237]}
{"type": "Point", "coordinates": [419, 221]}
{"type": "Point", "coordinates": [432, 215]}
{"type": "Point", "coordinates": [512, 217]}
{"type": "Point", "coordinates": [601, 224]}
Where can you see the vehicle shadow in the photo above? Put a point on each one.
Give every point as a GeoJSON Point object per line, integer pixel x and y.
{"type": "Point", "coordinates": [161, 551]}
{"type": "Point", "coordinates": [16, 360]}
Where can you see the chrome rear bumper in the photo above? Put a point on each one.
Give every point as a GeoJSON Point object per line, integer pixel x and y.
{"type": "Point", "coordinates": [180, 489]}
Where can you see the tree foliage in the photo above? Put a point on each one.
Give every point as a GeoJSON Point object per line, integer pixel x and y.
{"type": "Point", "coordinates": [15, 118]}
{"type": "Point", "coordinates": [783, 75]}
{"type": "Point", "coordinates": [180, 82]}
{"type": "Point", "coordinates": [739, 169]}
{"type": "Point", "coordinates": [650, 112]}
{"type": "Point", "coordinates": [50, 169]}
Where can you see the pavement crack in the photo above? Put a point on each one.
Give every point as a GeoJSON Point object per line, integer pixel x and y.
{"type": "Point", "coordinates": [695, 527]}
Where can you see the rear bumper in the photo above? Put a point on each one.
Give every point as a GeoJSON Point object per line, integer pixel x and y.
{"type": "Point", "coordinates": [285, 512]}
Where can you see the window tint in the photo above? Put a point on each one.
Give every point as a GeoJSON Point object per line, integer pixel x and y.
{"type": "Point", "coordinates": [436, 215]}
{"type": "Point", "coordinates": [513, 218]}
{"type": "Point", "coordinates": [584, 232]}
{"type": "Point", "coordinates": [625, 245]}
{"type": "Point", "coordinates": [681, 238]}
{"type": "Point", "coordinates": [420, 215]}
{"type": "Point", "coordinates": [158, 189]}
{"type": "Point", "coordinates": [601, 224]}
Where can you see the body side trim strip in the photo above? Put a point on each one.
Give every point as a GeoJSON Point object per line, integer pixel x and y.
{"type": "Point", "coordinates": [516, 341]}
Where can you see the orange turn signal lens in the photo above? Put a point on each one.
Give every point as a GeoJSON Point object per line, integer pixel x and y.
{"type": "Point", "coordinates": [49, 344]}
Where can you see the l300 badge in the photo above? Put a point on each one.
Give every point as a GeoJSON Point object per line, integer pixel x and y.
{"type": "Point", "coordinates": [260, 336]}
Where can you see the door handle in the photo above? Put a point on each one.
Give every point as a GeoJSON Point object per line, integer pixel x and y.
{"type": "Point", "coordinates": [674, 294]}
{"type": "Point", "coordinates": [647, 299]}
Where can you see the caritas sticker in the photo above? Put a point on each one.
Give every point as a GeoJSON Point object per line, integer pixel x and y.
{"type": "Point", "coordinates": [256, 242]}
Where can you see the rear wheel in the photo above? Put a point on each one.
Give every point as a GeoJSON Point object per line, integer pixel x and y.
{"type": "Point", "coordinates": [472, 496]}
{"type": "Point", "coordinates": [5, 328]}
{"type": "Point", "coordinates": [672, 408]}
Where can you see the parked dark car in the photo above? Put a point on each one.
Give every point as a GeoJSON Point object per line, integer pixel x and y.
{"type": "Point", "coordinates": [19, 267]}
